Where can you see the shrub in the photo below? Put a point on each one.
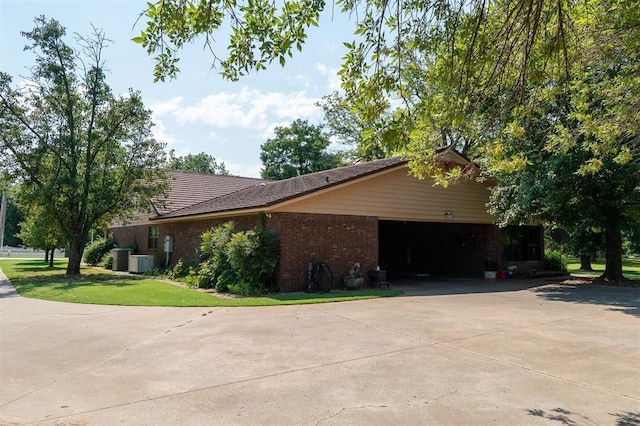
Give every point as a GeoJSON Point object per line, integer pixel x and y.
{"type": "Point", "coordinates": [181, 269]}
{"type": "Point", "coordinates": [554, 261]}
{"type": "Point", "coordinates": [96, 250]}
{"type": "Point", "coordinates": [253, 255]}
{"type": "Point", "coordinates": [241, 262]}
{"type": "Point", "coordinates": [107, 260]}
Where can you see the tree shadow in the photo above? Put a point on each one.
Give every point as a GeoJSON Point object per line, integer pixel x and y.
{"type": "Point", "coordinates": [619, 299]}
{"type": "Point", "coordinates": [566, 417]}
{"type": "Point", "coordinates": [558, 415]}
{"type": "Point", "coordinates": [627, 418]}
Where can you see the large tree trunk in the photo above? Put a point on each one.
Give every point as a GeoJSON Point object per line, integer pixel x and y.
{"type": "Point", "coordinates": [51, 258]}
{"type": "Point", "coordinates": [76, 247]}
{"type": "Point", "coordinates": [46, 255]}
{"type": "Point", "coordinates": [613, 268]}
{"type": "Point", "coordinates": [585, 262]}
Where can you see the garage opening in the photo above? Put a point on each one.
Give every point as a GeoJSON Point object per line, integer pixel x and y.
{"type": "Point", "coordinates": [443, 249]}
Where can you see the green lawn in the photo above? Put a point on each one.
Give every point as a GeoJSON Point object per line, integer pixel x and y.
{"type": "Point", "coordinates": [32, 278]}
{"type": "Point", "coordinates": [630, 269]}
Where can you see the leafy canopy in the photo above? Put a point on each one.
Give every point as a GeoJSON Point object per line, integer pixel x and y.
{"type": "Point", "coordinates": [82, 155]}
{"type": "Point", "coordinates": [296, 150]}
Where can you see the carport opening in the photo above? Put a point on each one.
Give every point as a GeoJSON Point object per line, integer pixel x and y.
{"type": "Point", "coordinates": [439, 249]}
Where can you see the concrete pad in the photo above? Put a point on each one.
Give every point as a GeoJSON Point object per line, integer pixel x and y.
{"type": "Point", "coordinates": [446, 353]}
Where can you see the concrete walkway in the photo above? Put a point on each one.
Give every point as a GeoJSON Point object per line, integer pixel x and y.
{"type": "Point", "coordinates": [457, 352]}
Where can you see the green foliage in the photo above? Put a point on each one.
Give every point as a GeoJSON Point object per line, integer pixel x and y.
{"type": "Point", "coordinates": [364, 139]}
{"type": "Point", "coordinates": [296, 150]}
{"type": "Point", "coordinates": [97, 249]}
{"type": "Point", "coordinates": [13, 220]}
{"type": "Point", "coordinates": [241, 262]}
{"type": "Point", "coordinates": [83, 155]}
{"type": "Point", "coordinates": [198, 163]}
{"type": "Point", "coordinates": [181, 269]}
{"type": "Point", "coordinates": [253, 255]}
{"type": "Point", "coordinates": [554, 261]}
{"type": "Point", "coordinates": [259, 32]}
{"type": "Point", "coordinates": [107, 260]}
{"type": "Point", "coordinates": [40, 231]}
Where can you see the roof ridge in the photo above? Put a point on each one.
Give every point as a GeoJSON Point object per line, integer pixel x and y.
{"type": "Point", "coordinates": [218, 175]}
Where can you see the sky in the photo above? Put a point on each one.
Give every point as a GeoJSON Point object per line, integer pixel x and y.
{"type": "Point", "coordinates": [199, 111]}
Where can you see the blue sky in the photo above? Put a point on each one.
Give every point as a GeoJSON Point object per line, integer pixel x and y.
{"type": "Point", "coordinates": [199, 111]}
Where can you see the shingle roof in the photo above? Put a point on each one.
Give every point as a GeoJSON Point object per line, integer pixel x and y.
{"type": "Point", "coordinates": [267, 193]}
{"type": "Point", "coordinates": [187, 189]}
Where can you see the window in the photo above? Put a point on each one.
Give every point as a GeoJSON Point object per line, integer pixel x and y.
{"type": "Point", "coordinates": [153, 237]}
{"type": "Point", "coordinates": [521, 243]}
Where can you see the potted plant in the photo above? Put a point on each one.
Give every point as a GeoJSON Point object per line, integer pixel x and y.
{"type": "Point", "coordinates": [354, 280]}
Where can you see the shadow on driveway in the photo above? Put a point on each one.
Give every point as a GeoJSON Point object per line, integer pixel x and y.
{"type": "Point", "coordinates": [619, 299]}
{"type": "Point", "coordinates": [567, 417]}
{"type": "Point", "coordinates": [439, 286]}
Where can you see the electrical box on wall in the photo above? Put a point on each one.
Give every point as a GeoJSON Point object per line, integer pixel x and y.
{"type": "Point", "coordinates": [168, 244]}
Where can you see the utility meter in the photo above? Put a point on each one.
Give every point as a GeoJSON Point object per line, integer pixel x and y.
{"type": "Point", "coordinates": [168, 244]}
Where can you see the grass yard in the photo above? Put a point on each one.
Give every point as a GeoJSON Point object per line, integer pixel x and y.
{"type": "Point", "coordinates": [33, 278]}
{"type": "Point", "coordinates": [630, 268]}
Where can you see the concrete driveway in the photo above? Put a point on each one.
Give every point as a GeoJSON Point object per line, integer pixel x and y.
{"type": "Point", "coordinates": [457, 352]}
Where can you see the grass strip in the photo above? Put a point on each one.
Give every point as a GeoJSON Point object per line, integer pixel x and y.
{"type": "Point", "coordinates": [34, 279]}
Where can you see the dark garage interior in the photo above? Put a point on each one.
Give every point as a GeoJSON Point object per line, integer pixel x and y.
{"type": "Point", "coordinates": [441, 249]}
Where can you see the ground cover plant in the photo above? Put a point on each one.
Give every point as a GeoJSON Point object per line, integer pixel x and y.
{"type": "Point", "coordinates": [33, 278]}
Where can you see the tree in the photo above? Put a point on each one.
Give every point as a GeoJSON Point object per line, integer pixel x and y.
{"type": "Point", "coordinates": [366, 144]}
{"type": "Point", "coordinates": [296, 150]}
{"type": "Point", "coordinates": [82, 155]}
{"type": "Point", "coordinates": [41, 232]}
{"type": "Point", "coordinates": [198, 163]}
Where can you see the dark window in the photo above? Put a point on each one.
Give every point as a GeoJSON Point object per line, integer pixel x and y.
{"type": "Point", "coordinates": [521, 243]}
{"type": "Point", "coordinates": [153, 237]}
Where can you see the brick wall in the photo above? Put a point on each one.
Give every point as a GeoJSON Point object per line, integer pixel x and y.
{"type": "Point", "coordinates": [185, 234]}
{"type": "Point", "coordinates": [338, 240]}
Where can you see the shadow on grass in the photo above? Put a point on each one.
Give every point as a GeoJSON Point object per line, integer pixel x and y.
{"type": "Point", "coordinates": [31, 275]}
{"type": "Point", "coordinates": [619, 299]}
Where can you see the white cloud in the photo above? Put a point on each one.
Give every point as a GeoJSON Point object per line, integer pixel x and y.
{"type": "Point", "coordinates": [160, 133]}
{"type": "Point", "coordinates": [333, 79]}
{"type": "Point", "coordinates": [217, 137]}
{"type": "Point", "coordinates": [164, 107]}
{"type": "Point", "coordinates": [249, 108]}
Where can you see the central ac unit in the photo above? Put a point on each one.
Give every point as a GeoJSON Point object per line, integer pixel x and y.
{"type": "Point", "coordinates": [140, 263]}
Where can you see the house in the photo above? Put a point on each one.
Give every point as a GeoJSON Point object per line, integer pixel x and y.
{"type": "Point", "coordinates": [372, 213]}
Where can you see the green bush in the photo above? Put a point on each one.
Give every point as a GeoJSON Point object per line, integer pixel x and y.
{"type": "Point", "coordinates": [96, 250]}
{"type": "Point", "coordinates": [253, 255]}
{"type": "Point", "coordinates": [181, 269]}
{"type": "Point", "coordinates": [107, 260]}
{"type": "Point", "coordinates": [240, 262]}
{"type": "Point", "coordinates": [554, 261]}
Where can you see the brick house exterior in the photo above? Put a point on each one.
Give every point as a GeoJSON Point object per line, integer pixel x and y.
{"type": "Point", "coordinates": [372, 213]}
